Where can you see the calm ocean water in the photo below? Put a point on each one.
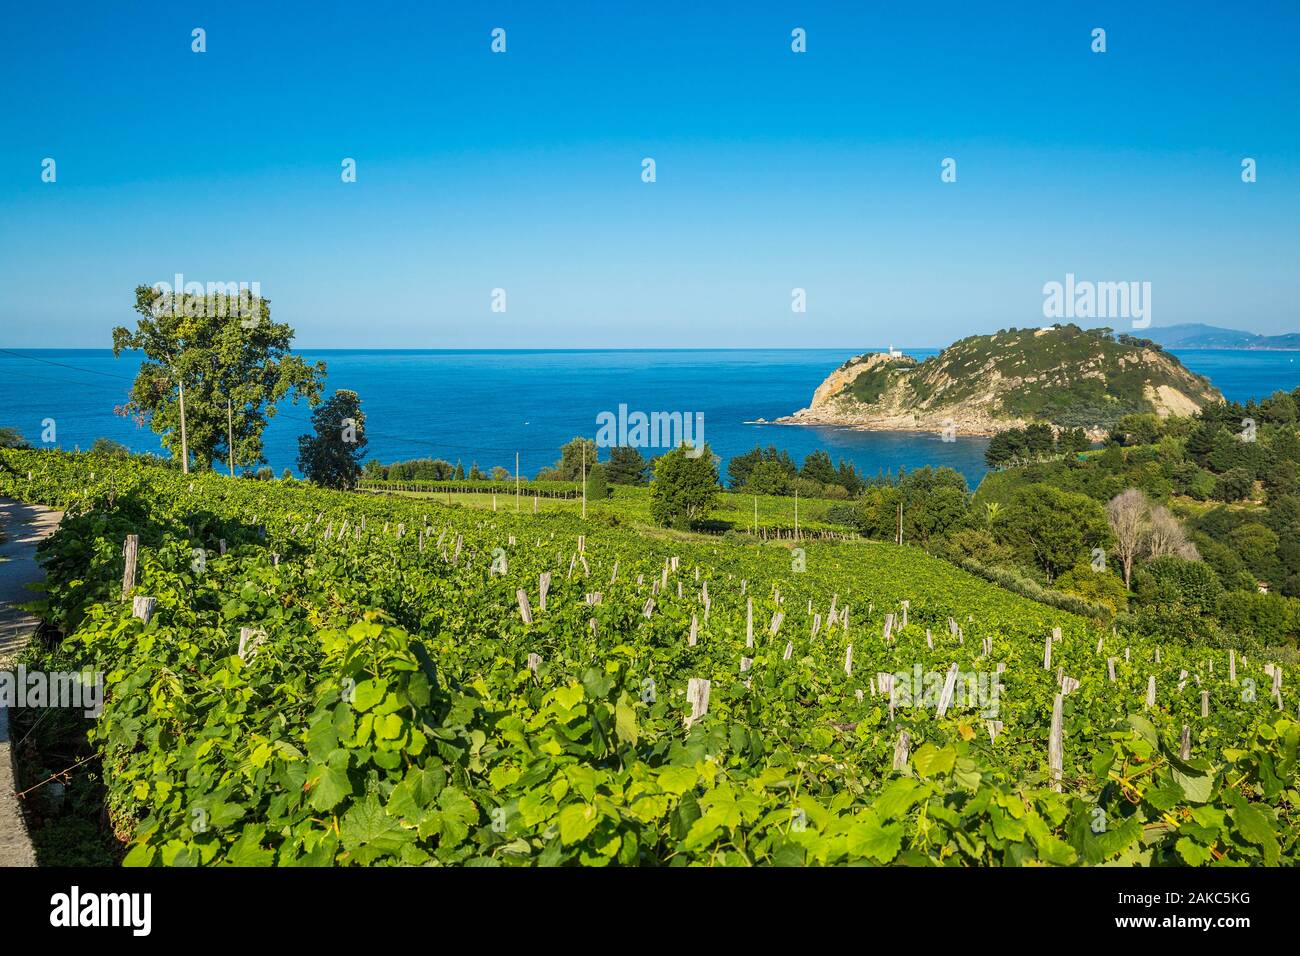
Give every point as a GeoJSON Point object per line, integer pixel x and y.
{"type": "Point", "coordinates": [486, 406]}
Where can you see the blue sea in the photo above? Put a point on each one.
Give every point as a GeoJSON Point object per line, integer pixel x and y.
{"type": "Point", "coordinates": [484, 406]}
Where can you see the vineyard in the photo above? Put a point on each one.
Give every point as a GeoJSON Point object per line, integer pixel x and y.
{"type": "Point", "coordinates": [297, 676]}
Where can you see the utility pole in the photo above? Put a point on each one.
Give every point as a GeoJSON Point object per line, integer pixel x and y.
{"type": "Point", "coordinates": [185, 445]}
{"type": "Point", "coordinates": [230, 436]}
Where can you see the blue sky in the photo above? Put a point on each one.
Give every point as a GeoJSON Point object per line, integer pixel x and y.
{"type": "Point", "coordinates": [522, 171]}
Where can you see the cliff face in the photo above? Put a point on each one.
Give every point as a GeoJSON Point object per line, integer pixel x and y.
{"type": "Point", "coordinates": [1065, 376]}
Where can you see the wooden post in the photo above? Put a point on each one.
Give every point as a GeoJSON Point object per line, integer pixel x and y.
{"type": "Point", "coordinates": [525, 611]}
{"type": "Point", "coordinates": [1151, 691]}
{"type": "Point", "coordinates": [848, 661]}
{"type": "Point", "coordinates": [789, 651]}
{"type": "Point", "coordinates": [221, 546]}
{"type": "Point", "coordinates": [901, 749]}
{"type": "Point", "coordinates": [749, 622]}
{"type": "Point", "coordinates": [1232, 666]}
{"type": "Point", "coordinates": [1205, 703]}
{"type": "Point", "coordinates": [697, 695]}
{"type": "Point", "coordinates": [534, 662]}
{"type": "Point", "coordinates": [695, 629]}
{"type": "Point", "coordinates": [143, 607]}
{"type": "Point", "coordinates": [1110, 669]}
{"type": "Point", "coordinates": [1055, 755]}
{"type": "Point", "coordinates": [185, 443]}
{"type": "Point", "coordinates": [130, 549]}
{"type": "Point", "coordinates": [889, 627]}
{"type": "Point", "coordinates": [945, 697]}
{"type": "Point", "coordinates": [249, 641]}
{"type": "Point", "coordinates": [275, 559]}
{"type": "Point", "coordinates": [1047, 653]}
{"type": "Point", "coordinates": [1185, 744]}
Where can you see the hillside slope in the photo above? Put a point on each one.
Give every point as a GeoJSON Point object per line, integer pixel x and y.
{"type": "Point", "coordinates": [1063, 375]}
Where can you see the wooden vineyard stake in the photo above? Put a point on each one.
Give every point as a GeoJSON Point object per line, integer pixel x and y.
{"type": "Point", "coordinates": [995, 728]}
{"type": "Point", "coordinates": [789, 650]}
{"type": "Point", "coordinates": [697, 695]}
{"type": "Point", "coordinates": [831, 614]}
{"type": "Point", "coordinates": [614, 577]}
{"type": "Point", "coordinates": [534, 662]}
{"type": "Point", "coordinates": [901, 749]}
{"type": "Point", "coordinates": [143, 607]}
{"type": "Point", "coordinates": [749, 622]}
{"type": "Point", "coordinates": [1157, 655]}
{"type": "Point", "coordinates": [1099, 640]}
{"type": "Point", "coordinates": [1185, 744]}
{"type": "Point", "coordinates": [844, 618]}
{"type": "Point", "coordinates": [649, 608]}
{"type": "Point", "coordinates": [275, 560]}
{"type": "Point", "coordinates": [1110, 669]}
{"type": "Point", "coordinates": [1055, 754]}
{"type": "Point", "coordinates": [695, 628]}
{"type": "Point", "coordinates": [1232, 666]}
{"type": "Point", "coordinates": [1000, 668]}
{"type": "Point", "coordinates": [679, 590]}
{"type": "Point", "coordinates": [777, 618]}
{"type": "Point", "coordinates": [816, 624]}
{"type": "Point", "coordinates": [1068, 684]}
{"type": "Point", "coordinates": [221, 546]}
{"type": "Point", "coordinates": [455, 558]}
{"type": "Point", "coordinates": [952, 626]}
{"type": "Point", "coordinates": [534, 502]}
{"type": "Point", "coordinates": [889, 627]}
{"type": "Point", "coordinates": [525, 612]}
{"type": "Point", "coordinates": [130, 550]}
{"type": "Point", "coordinates": [945, 696]}
{"type": "Point", "coordinates": [249, 641]}
{"type": "Point", "coordinates": [1151, 691]}
{"type": "Point", "coordinates": [929, 641]}
{"type": "Point", "coordinates": [905, 605]}
{"type": "Point", "coordinates": [1182, 680]}
{"type": "Point", "coordinates": [746, 663]}
{"type": "Point", "coordinates": [1126, 658]}
{"type": "Point", "coordinates": [988, 646]}
{"type": "Point", "coordinates": [543, 586]}
{"type": "Point", "coordinates": [848, 661]}
{"type": "Point", "coordinates": [1047, 653]}
{"type": "Point", "coordinates": [1056, 633]}
{"type": "Point", "coordinates": [1205, 703]}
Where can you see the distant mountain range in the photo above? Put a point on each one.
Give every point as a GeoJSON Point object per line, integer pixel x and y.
{"type": "Point", "coordinates": [1198, 336]}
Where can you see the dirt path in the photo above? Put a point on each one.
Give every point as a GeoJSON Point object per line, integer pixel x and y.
{"type": "Point", "coordinates": [24, 527]}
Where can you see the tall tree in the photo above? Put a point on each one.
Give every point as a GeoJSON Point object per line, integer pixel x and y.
{"type": "Point", "coordinates": [212, 376]}
{"type": "Point", "coordinates": [684, 488]}
{"type": "Point", "coordinates": [332, 455]}
{"type": "Point", "coordinates": [626, 466]}
{"type": "Point", "coordinates": [1128, 513]}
